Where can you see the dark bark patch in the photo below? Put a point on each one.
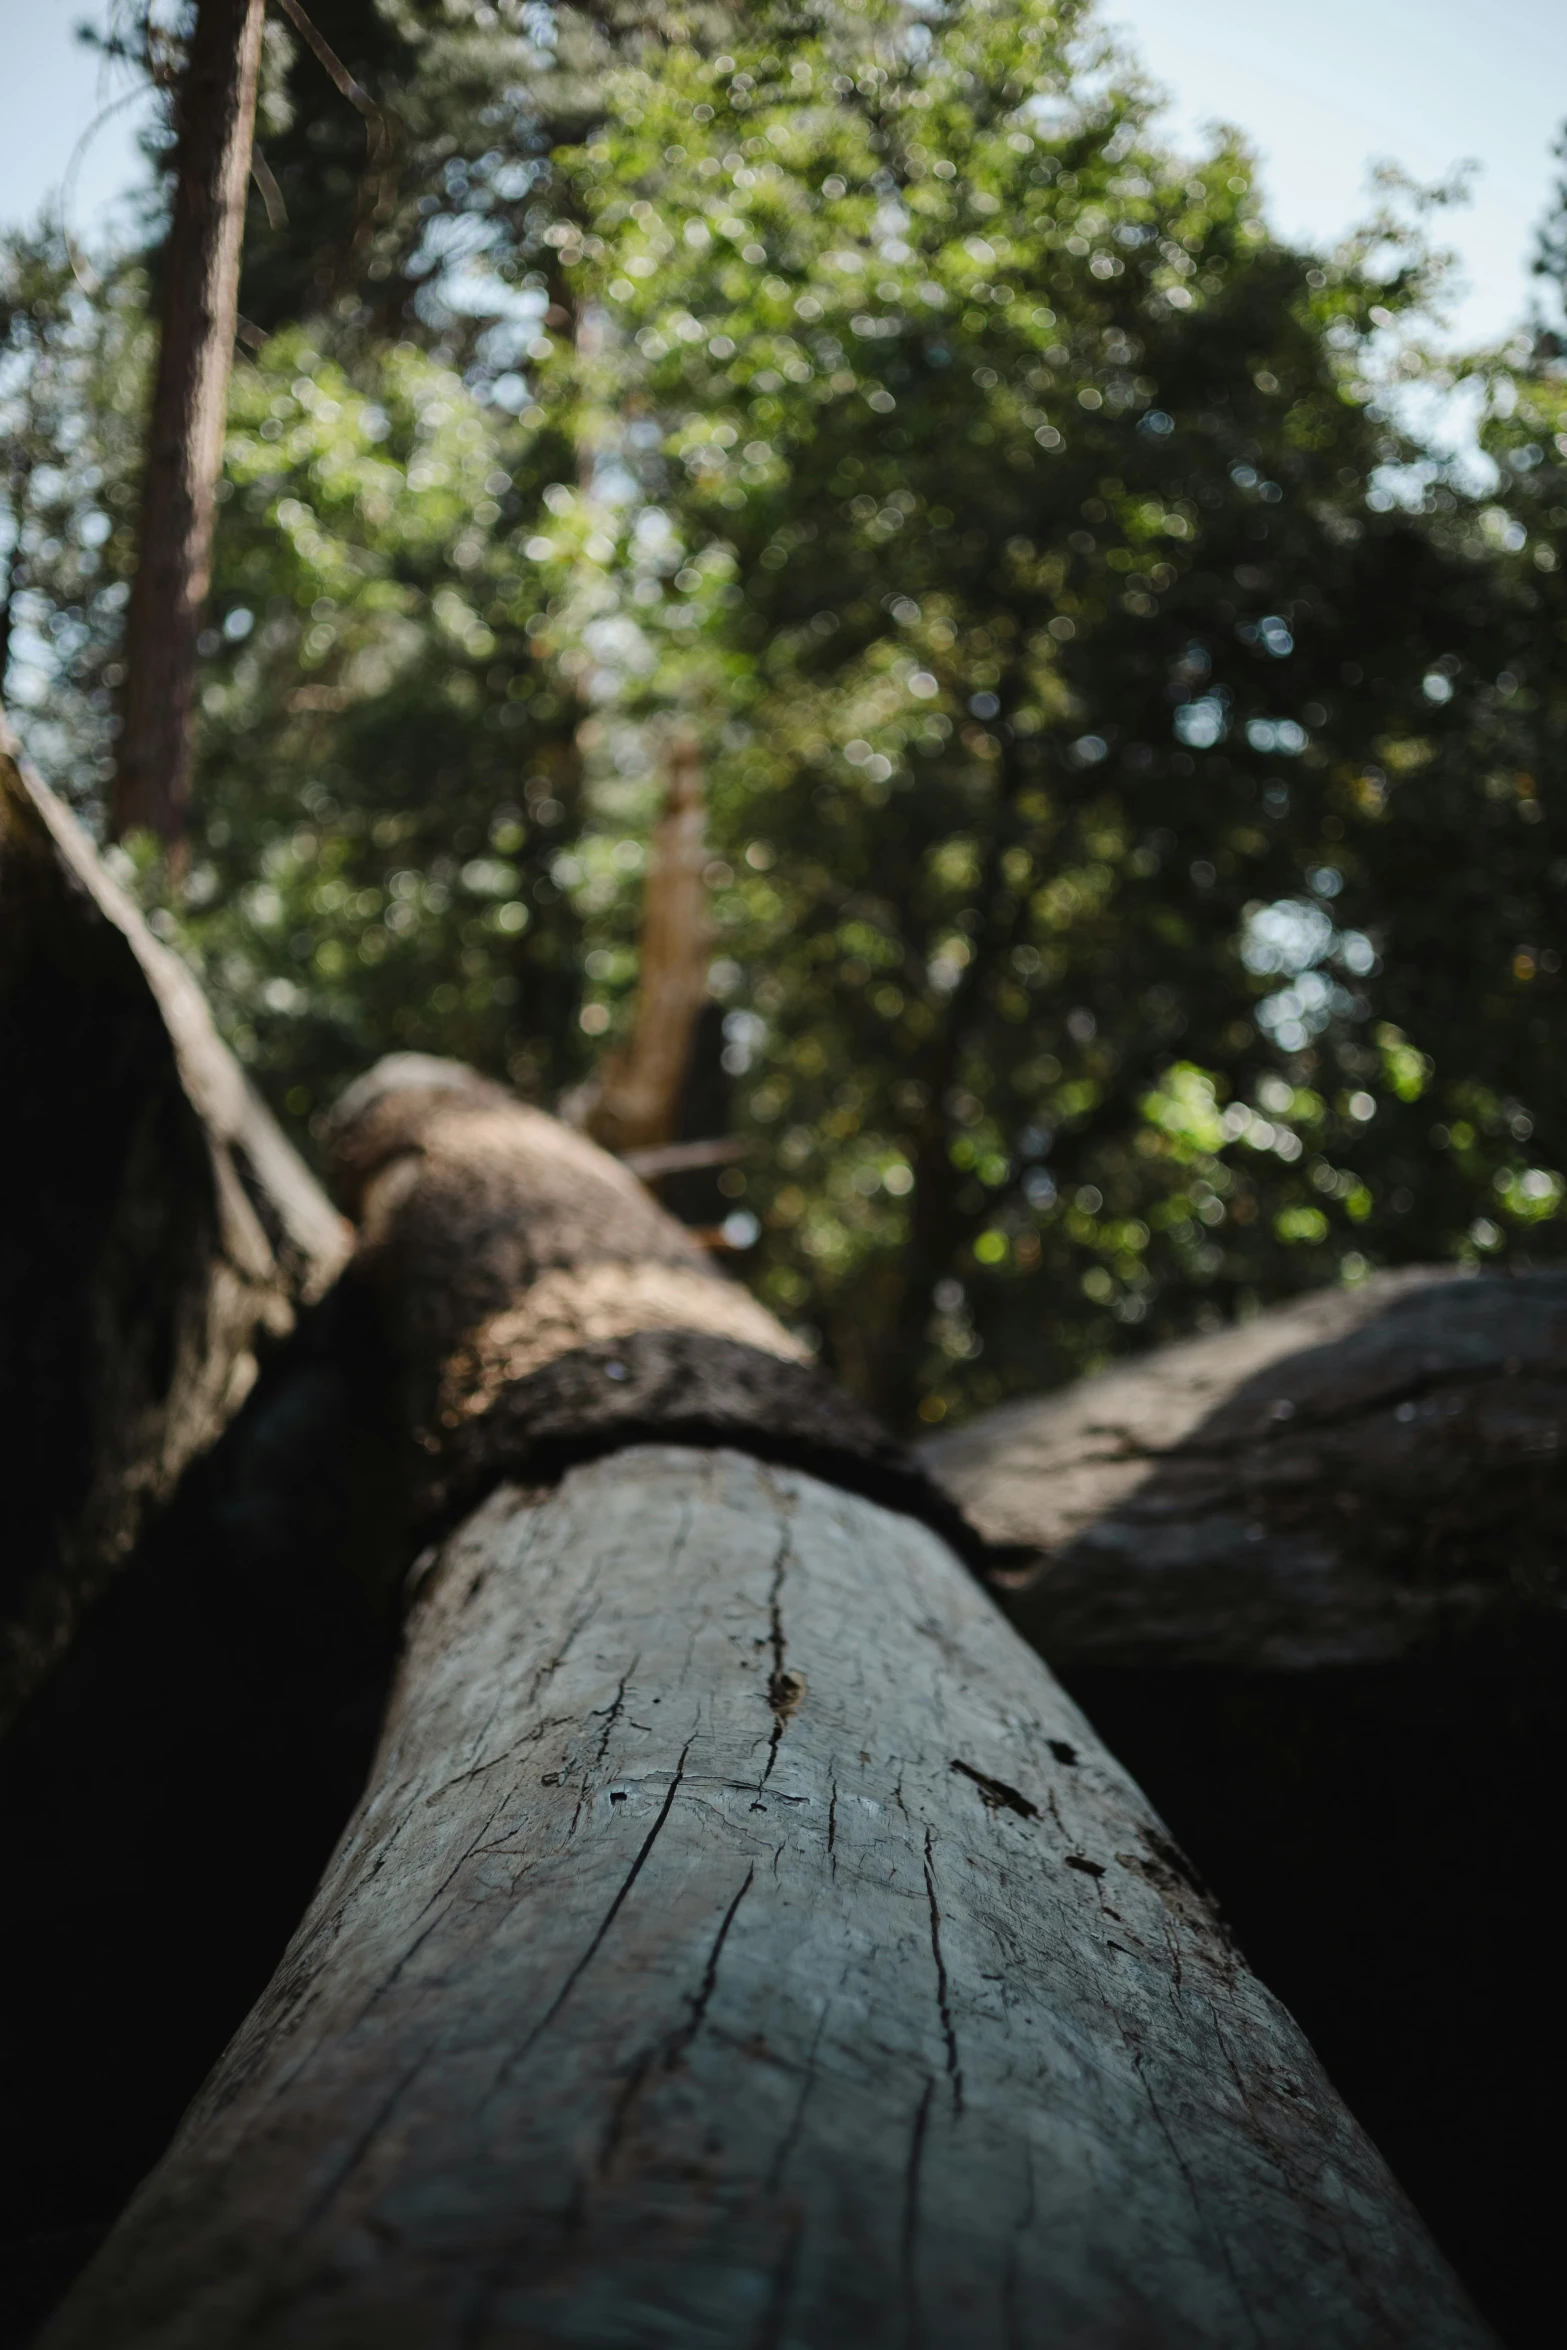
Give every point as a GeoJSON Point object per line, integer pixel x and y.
{"type": "Point", "coordinates": [687, 1387]}
{"type": "Point", "coordinates": [996, 1794]}
{"type": "Point", "coordinates": [495, 1242]}
{"type": "Point", "coordinates": [157, 1233]}
{"type": "Point", "coordinates": [786, 1693]}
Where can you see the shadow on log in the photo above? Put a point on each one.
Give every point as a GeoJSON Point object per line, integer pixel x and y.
{"type": "Point", "coordinates": [742, 1939]}
{"type": "Point", "coordinates": [156, 1230]}
{"type": "Point", "coordinates": [183, 1681]}
{"type": "Point", "coordinates": [1307, 1578]}
{"type": "Point", "coordinates": [171, 1793]}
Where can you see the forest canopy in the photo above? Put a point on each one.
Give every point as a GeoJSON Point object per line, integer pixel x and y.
{"type": "Point", "coordinates": [1137, 848]}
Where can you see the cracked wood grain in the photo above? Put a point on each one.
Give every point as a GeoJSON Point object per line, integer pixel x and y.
{"type": "Point", "coordinates": [612, 2045]}
{"type": "Point", "coordinates": [948, 2034]}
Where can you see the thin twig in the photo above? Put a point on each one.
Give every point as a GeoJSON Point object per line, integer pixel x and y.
{"type": "Point", "coordinates": [271, 194]}
{"type": "Point", "coordinates": [79, 263]}
{"type": "Point", "coordinates": [677, 1158]}
{"type": "Point", "coordinates": [377, 136]}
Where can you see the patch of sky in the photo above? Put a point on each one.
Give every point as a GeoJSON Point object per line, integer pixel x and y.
{"type": "Point", "coordinates": [1202, 723]}
{"type": "Point", "coordinates": [744, 1035]}
{"type": "Point", "coordinates": [1292, 939]}
{"type": "Point", "coordinates": [617, 645]}
{"type": "Point", "coordinates": [1276, 734]}
{"type": "Point", "coordinates": [1289, 935]}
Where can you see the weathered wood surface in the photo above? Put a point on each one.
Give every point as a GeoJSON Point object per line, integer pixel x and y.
{"type": "Point", "coordinates": [1307, 1579]}
{"type": "Point", "coordinates": [744, 1941]}
{"type": "Point", "coordinates": [519, 1301]}
{"type": "Point", "coordinates": [155, 1226]}
{"type": "Point", "coordinates": [1336, 1482]}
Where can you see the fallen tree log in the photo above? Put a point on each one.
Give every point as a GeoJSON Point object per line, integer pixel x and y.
{"type": "Point", "coordinates": [255, 1625]}
{"type": "Point", "coordinates": [742, 1939]}
{"type": "Point", "coordinates": [1337, 1482]}
{"type": "Point", "coordinates": [1307, 1578]}
{"type": "Point", "coordinates": [156, 1229]}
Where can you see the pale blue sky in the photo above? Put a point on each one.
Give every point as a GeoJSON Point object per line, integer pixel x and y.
{"type": "Point", "coordinates": [51, 90]}
{"type": "Point", "coordinates": [1321, 90]}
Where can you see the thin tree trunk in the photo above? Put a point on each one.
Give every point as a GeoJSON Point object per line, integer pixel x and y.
{"type": "Point", "coordinates": [1308, 1577]}
{"type": "Point", "coordinates": [200, 290]}
{"type": "Point", "coordinates": [631, 1101]}
{"type": "Point", "coordinates": [744, 1941]}
{"type": "Point", "coordinates": [156, 1229]}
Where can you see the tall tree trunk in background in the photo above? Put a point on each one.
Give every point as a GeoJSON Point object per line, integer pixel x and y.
{"type": "Point", "coordinates": [742, 1940]}
{"type": "Point", "coordinates": [630, 1103]}
{"type": "Point", "coordinates": [200, 286]}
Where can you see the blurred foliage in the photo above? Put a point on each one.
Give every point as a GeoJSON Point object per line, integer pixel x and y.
{"type": "Point", "coordinates": [1137, 839]}
{"type": "Point", "coordinates": [390, 767]}
{"type": "Point", "coordinates": [72, 373]}
{"type": "Point", "coordinates": [469, 97]}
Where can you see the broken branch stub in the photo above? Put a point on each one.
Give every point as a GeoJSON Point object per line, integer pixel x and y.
{"type": "Point", "coordinates": [155, 1226]}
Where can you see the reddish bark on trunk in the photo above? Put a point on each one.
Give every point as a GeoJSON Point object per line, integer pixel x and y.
{"type": "Point", "coordinates": [185, 435]}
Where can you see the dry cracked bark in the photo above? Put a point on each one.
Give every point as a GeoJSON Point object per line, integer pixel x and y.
{"type": "Point", "coordinates": [744, 1941]}
{"type": "Point", "coordinates": [156, 1229]}
{"type": "Point", "coordinates": [518, 1302]}
{"type": "Point", "coordinates": [1306, 1577]}
{"type": "Point", "coordinates": [742, 1938]}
